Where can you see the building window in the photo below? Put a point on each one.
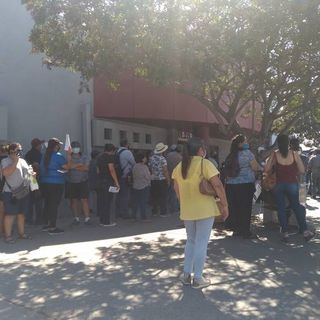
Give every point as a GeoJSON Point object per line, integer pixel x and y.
{"type": "Point", "coordinates": [122, 135]}
{"type": "Point", "coordinates": [136, 137]}
{"type": "Point", "coordinates": [107, 134]}
{"type": "Point", "coordinates": [148, 138]}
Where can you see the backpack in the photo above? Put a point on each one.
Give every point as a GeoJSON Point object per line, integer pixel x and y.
{"type": "Point", "coordinates": [117, 163]}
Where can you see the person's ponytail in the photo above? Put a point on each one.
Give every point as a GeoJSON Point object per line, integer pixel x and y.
{"type": "Point", "coordinates": [185, 163]}
{"type": "Point", "coordinates": [48, 154]}
{"type": "Point", "coordinates": [190, 149]}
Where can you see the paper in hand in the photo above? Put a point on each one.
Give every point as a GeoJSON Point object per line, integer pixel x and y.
{"type": "Point", "coordinates": [114, 189]}
{"type": "Point", "coordinates": [67, 144]}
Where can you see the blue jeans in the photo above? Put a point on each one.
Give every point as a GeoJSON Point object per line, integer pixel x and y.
{"type": "Point", "coordinates": [140, 200]}
{"type": "Point", "coordinates": [173, 202]}
{"type": "Point", "coordinates": [198, 235]}
{"type": "Point", "coordinates": [291, 192]}
{"type": "Point", "coordinates": [122, 201]}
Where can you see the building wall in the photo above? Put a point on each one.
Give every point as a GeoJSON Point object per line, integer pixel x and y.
{"type": "Point", "coordinates": [112, 135]}
{"type": "Point", "coordinates": [39, 102]}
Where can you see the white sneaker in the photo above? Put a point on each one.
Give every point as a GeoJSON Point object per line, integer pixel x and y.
{"type": "Point", "coordinates": [200, 283]}
{"type": "Point", "coordinates": [108, 225]}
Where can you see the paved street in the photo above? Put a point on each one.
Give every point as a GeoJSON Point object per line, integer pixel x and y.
{"type": "Point", "coordinates": [130, 273]}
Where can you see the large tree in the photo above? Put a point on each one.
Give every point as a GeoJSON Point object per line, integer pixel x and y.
{"type": "Point", "coordinates": [226, 53]}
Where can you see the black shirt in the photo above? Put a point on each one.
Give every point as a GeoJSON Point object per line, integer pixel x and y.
{"type": "Point", "coordinates": [33, 156]}
{"type": "Point", "coordinates": [102, 164]}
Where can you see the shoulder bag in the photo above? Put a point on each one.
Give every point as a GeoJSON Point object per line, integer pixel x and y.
{"type": "Point", "coordinates": [206, 188]}
{"type": "Point", "coordinates": [269, 179]}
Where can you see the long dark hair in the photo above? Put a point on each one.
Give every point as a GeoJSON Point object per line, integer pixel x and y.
{"type": "Point", "coordinates": [283, 144]}
{"type": "Point", "coordinates": [191, 148]}
{"type": "Point", "coordinates": [52, 143]}
{"type": "Point", "coordinates": [232, 161]}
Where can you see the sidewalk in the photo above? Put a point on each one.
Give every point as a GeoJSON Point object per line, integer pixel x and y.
{"type": "Point", "coordinates": [130, 272]}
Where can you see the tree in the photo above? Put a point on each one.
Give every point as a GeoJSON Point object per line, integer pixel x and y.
{"type": "Point", "coordinates": [226, 53]}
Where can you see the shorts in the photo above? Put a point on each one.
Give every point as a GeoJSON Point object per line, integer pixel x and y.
{"type": "Point", "coordinates": [12, 206]}
{"type": "Point", "coordinates": [77, 190]}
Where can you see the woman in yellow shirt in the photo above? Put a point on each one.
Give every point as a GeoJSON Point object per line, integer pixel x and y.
{"type": "Point", "coordinates": [196, 209]}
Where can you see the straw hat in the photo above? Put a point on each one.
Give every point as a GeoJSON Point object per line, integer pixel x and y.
{"type": "Point", "coordinates": [160, 148]}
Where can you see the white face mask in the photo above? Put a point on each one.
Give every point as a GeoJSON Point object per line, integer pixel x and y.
{"type": "Point", "coordinates": [75, 150]}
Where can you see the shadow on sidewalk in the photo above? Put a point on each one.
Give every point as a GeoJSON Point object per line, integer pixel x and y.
{"type": "Point", "coordinates": [137, 280]}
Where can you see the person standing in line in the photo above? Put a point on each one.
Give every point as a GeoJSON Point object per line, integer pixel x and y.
{"type": "Point", "coordinates": [3, 155]}
{"type": "Point", "coordinates": [174, 157]}
{"type": "Point", "coordinates": [240, 169]}
{"type": "Point", "coordinates": [53, 167]}
{"type": "Point", "coordinates": [16, 172]}
{"type": "Point", "coordinates": [141, 186]}
{"type": "Point", "coordinates": [160, 180]}
{"type": "Point", "coordinates": [107, 177]}
{"type": "Point", "coordinates": [197, 210]}
{"type": "Point", "coordinates": [77, 189]}
{"type": "Point", "coordinates": [288, 165]}
{"type": "Point", "coordinates": [33, 158]}
{"type": "Point", "coordinates": [93, 182]}
{"type": "Point", "coordinates": [314, 166]}
{"type": "Point", "coordinates": [126, 161]}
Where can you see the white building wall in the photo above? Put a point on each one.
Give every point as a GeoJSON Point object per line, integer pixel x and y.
{"type": "Point", "coordinates": [40, 103]}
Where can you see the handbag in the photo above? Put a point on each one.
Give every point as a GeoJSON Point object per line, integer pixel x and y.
{"type": "Point", "coordinates": [20, 192]}
{"type": "Point", "coordinates": [23, 190]}
{"type": "Point", "coordinates": [269, 179]}
{"type": "Point", "coordinates": [206, 188]}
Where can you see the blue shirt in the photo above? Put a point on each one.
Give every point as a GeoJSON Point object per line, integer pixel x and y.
{"type": "Point", "coordinates": [246, 174]}
{"type": "Point", "coordinates": [53, 175]}
{"type": "Point", "coordinates": [127, 161]}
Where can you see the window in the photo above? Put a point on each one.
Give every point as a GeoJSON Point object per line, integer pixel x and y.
{"type": "Point", "coordinates": [107, 134]}
{"type": "Point", "coordinates": [136, 137]}
{"type": "Point", "coordinates": [122, 135]}
{"type": "Point", "coordinates": [148, 138]}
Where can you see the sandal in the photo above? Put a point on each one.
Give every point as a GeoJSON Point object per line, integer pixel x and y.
{"type": "Point", "coordinates": [9, 240]}
{"type": "Point", "coordinates": [25, 236]}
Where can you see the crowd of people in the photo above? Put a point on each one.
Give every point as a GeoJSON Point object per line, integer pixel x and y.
{"type": "Point", "coordinates": [181, 179]}
{"type": "Point", "coordinates": [133, 180]}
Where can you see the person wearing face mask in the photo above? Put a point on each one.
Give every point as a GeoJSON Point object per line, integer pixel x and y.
{"type": "Point", "coordinates": [53, 167]}
{"type": "Point", "coordinates": [77, 189]}
{"type": "Point", "coordinates": [240, 168]}
{"type": "Point", "coordinates": [16, 173]}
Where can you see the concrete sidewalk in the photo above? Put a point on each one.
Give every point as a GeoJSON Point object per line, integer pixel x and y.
{"type": "Point", "coordinates": [130, 272]}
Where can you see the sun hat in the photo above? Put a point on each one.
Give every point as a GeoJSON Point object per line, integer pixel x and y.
{"type": "Point", "coordinates": [160, 147]}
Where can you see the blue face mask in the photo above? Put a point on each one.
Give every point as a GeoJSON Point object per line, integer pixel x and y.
{"type": "Point", "coordinates": [245, 146]}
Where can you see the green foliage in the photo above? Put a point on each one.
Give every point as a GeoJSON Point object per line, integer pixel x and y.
{"type": "Point", "coordinates": [226, 53]}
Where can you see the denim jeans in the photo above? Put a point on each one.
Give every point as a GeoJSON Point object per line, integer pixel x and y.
{"type": "Point", "coordinates": [173, 202]}
{"type": "Point", "coordinates": [198, 235]}
{"type": "Point", "coordinates": [35, 205]}
{"type": "Point", "coordinates": [140, 200]}
{"type": "Point", "coordinates": [122, 201]}
{"type": "Point", "coordinates": [159, 193]}
{"type": "Point", "coordinates": [291, 192]}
